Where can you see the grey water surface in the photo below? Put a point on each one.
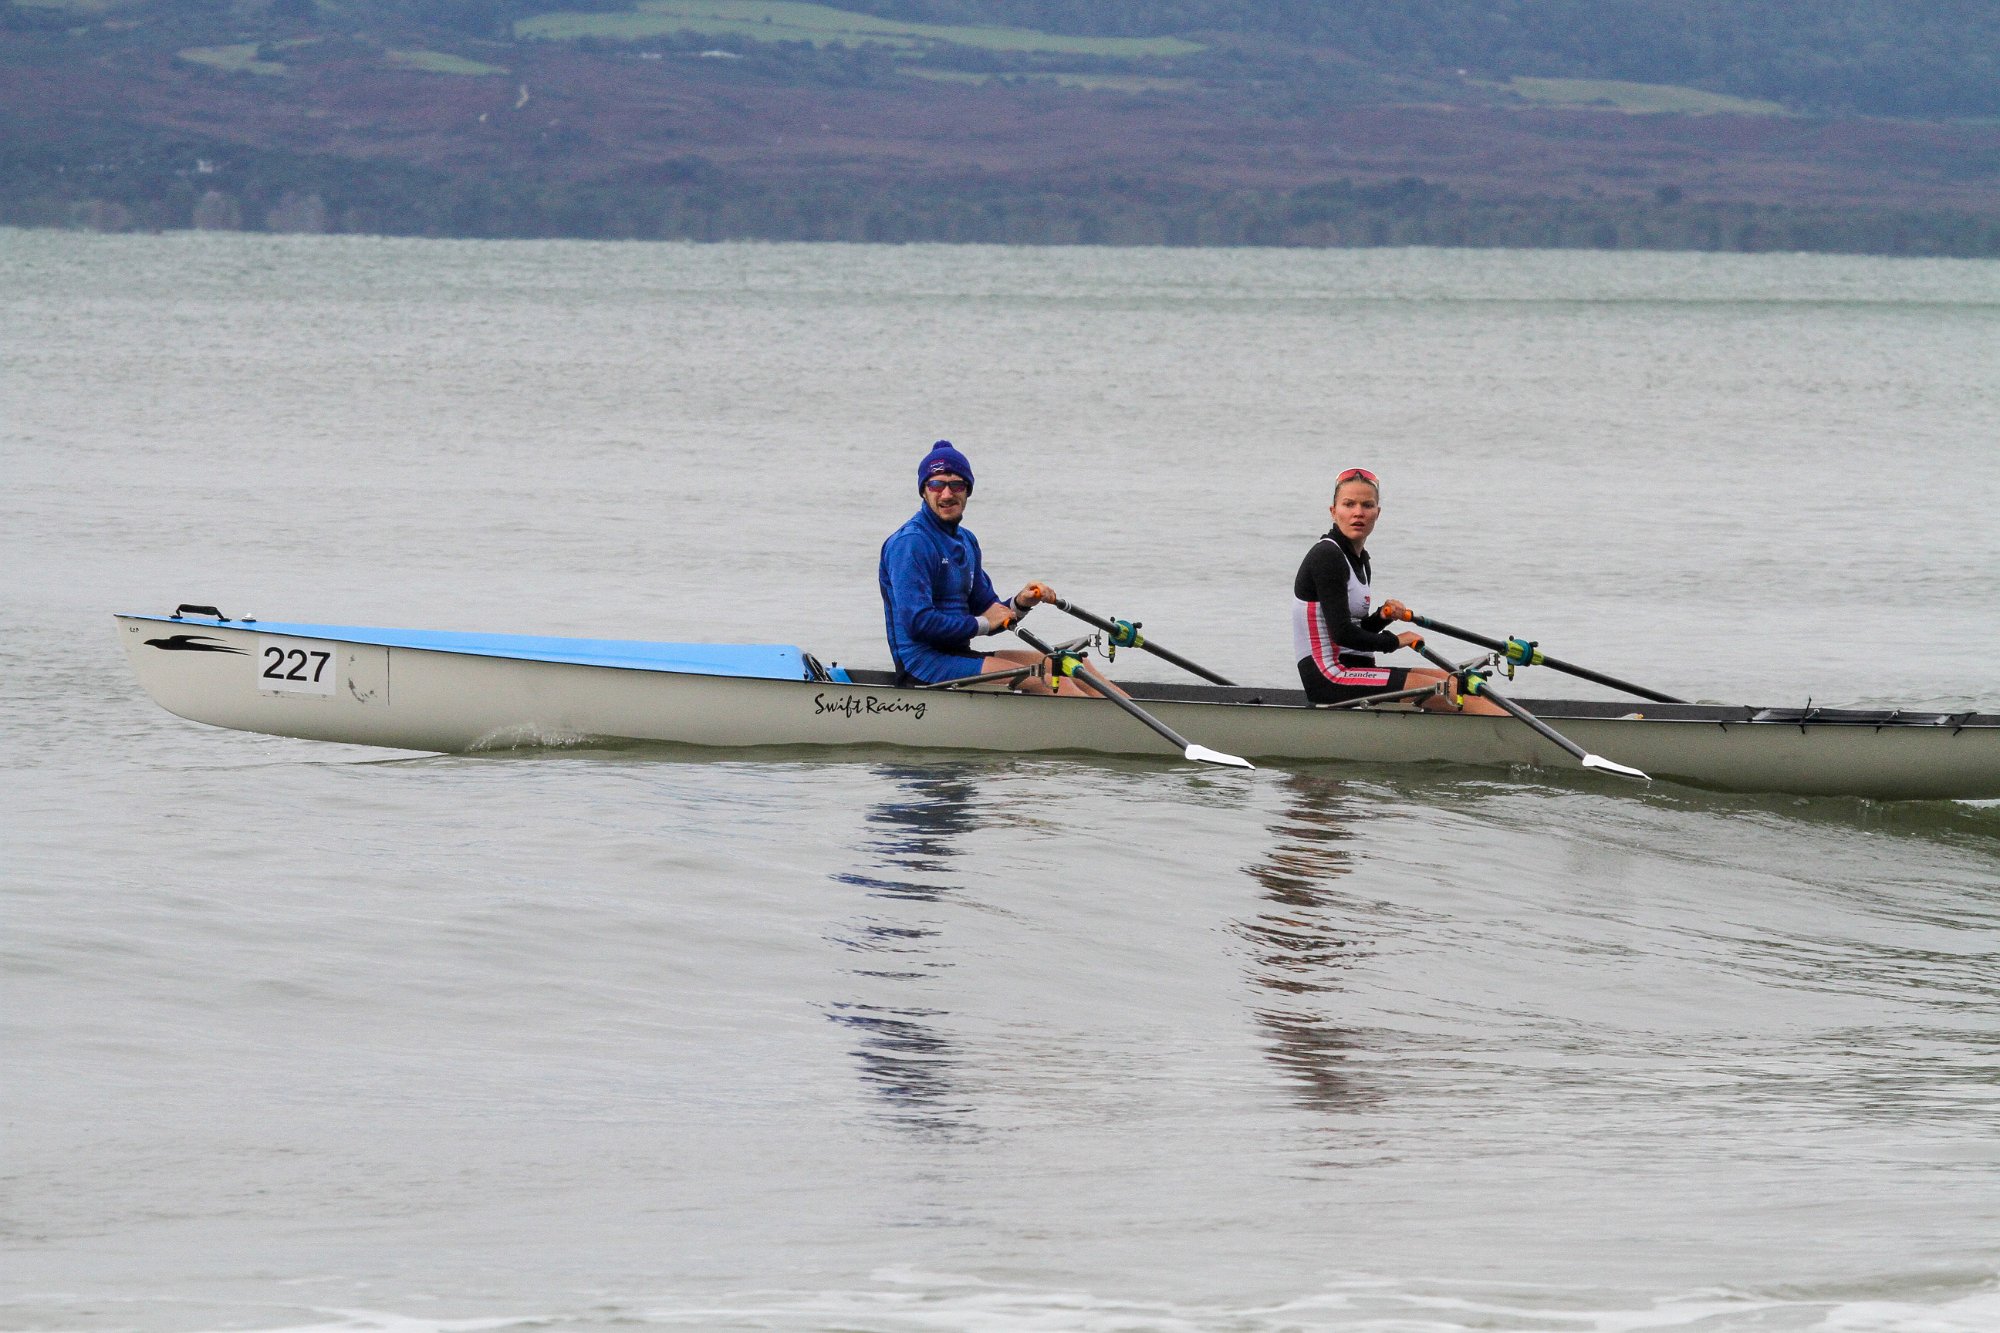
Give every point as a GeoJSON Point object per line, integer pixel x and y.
{"type": "Point", "coordinates": [299, 1036]}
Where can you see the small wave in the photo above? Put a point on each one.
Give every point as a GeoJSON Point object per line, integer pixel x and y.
{"type": "Point", "coordinates": [907, 1301]}
{"type": "Point", "coordinates": [66, 1312]}
{"type": "Point", "coordinates": [917, 1303]}
{"type": "Point", "coordinates": [531, 737]}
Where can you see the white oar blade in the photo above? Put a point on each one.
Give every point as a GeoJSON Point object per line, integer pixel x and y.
{"type": "Point", "coordinates": [1599, 761]}
{"type": "Point", "coordinates": [1201, 754]}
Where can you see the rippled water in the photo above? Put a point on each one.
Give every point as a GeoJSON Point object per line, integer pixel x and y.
{"type": "Point", "coordinates": [303, 1036]}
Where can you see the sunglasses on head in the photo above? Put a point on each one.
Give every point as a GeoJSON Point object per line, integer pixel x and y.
{"type": "Point", "coordinates": [1363, 473]}
{"type": "Point", "coordinates": [956, 485]}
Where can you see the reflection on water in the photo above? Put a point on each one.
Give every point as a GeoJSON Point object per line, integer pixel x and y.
{"type": "Point", "coordinates": [905, 1062]}
{"type": "Point", "coordinates": [917, 831]}
{"type": "Point", "coordinates": [1304, 940]}
{"type": "Point", "coordinates": [907, 859]}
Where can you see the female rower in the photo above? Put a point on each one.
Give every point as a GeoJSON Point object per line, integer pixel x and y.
{"type": "Point", "coordinates": [1337, 629]}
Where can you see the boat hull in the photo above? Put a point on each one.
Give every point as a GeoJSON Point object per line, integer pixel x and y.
{"type": "Point", "coordinates": [455, 701]}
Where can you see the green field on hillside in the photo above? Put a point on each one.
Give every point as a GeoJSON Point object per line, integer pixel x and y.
{"type": "Point", "coordinates": [823, 25]}
{"type": "Point", "coordinates": [438, 62]}
{"type": "Point", "coordinates": [245, 58]}
{"type": "Point", "coordinates": [241, 58]}
{"type": "Point", "coordinates": [1107, 83]}
{"type": "Point", "coordinates": [1638, 98]}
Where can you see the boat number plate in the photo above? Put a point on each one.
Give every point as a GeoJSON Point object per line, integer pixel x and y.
{"type": "Point", "coordinates": [297, 666]}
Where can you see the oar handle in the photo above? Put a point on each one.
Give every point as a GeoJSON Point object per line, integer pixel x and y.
{"type": "Point", "coordinates": [1112, 627]}
{"type": "Point", "coordinates": [1535, 657]}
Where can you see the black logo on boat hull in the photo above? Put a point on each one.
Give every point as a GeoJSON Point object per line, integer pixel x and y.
{"type": "Point", "coordinates": [193, 643]}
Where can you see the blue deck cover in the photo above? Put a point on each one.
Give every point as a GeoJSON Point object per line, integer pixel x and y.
{"type": "Point", "coordinates": [765, 661]}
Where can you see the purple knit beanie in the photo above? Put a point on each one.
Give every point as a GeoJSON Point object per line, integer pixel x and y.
{"type": "Point", "coordinates": [943, 458]}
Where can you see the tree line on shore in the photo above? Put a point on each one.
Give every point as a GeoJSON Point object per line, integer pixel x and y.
{"type": "Point", "coordinates": [173, 185]}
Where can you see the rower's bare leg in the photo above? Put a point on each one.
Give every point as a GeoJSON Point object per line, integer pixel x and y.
{"type": "Point", "coordinates": [1069, 687]}
{"type": "Point", "coordinates": [1007, 661]}
{"type": "Point", "coordinates": [1442, 703]}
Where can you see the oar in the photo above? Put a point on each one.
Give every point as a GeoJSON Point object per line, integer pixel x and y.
{"type": "Point", "coordinates": [1584, 756]}
{"type": "Point", "coordinates": [1525, 653]}
{"type": "Point", "coordinates": [1198, 753]}
{"type": "Point", "coordinates": [1125, 634]}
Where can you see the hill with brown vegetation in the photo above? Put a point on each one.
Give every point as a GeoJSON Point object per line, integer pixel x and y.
{"type": "Point", "coordinates": [763, 118]}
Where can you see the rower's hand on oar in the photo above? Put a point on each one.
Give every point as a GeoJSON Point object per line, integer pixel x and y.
{"type": "Point", "coordinates": [1409, 640]}
{"type": "Point", "coordinates": [1395, 610]}
{"type": "Point", "coordinates": [998, 618]}
{"type": "Point", "coordinates": [1032, 595]}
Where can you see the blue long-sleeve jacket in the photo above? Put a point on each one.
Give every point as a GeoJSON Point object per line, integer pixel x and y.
{"type": "Point", "coordinates": [933, 587]}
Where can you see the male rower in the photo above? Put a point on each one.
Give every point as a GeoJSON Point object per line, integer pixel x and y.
{"type": "Point", "coordinates": [936, 597]}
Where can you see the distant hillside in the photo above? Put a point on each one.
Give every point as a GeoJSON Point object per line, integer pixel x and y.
{"type": "Point", "coordinates": [1920, 58]}
{"type": "Point", "coordinates": [1664, 123]}
{"type": "Point", "coordinates": [1879, 57]}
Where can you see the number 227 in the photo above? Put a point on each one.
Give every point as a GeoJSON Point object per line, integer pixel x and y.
{"type": "Point", "coordinates": [290, 664]}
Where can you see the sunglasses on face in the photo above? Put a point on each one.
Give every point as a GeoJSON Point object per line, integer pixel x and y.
{"type": "Point", "coordinates": [939, 485]}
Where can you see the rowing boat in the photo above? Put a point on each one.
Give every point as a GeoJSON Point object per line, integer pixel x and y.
{"type": "Point", "coordinates": [456, 692]}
